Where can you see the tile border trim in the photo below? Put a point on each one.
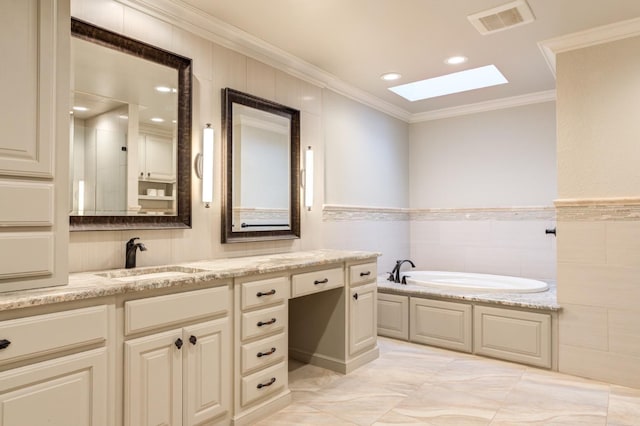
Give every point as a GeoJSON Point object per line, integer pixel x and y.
{"type": "Point", "coordinates": [335, 212]}
{"type": "Point", "coordinates": [595, 209]}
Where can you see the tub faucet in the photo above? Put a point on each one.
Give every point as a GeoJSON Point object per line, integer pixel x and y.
{"type": "Point", "coordinates": [394, 275]}
{"type": "Point", "coordinates": [132, 248]}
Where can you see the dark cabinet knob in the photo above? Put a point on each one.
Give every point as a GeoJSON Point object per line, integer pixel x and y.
{"type": "Point", "coordinates": [316, 282]}
{"type": "Point", "coordinates": [4, 344]}
{"type": "Point", "coordinates": [355, 296]}
{"type": "Point", "coordinates": [193, 339]}
{"type": "Point", "coordinates": [178, 343]}
{"type": "Point", "coordinates": [365, 274]}
{"type": "Point", "coordinates": [268, 293]}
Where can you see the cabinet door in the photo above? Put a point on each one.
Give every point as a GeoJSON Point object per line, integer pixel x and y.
{"type": "Point", "coordinates": [362, 318]}
{"type": "Point", "coordinates": [153, 380]}
{"type": "Point", "coordinates": [66, 391]}
{"type": "Point", "coordinates": [159, 158]}
{"type": "Point", "coordinates": [207, 366]}
{"type": "Point", "coordinates": [28, 85]}
{"type": "Point", "coordinates": [440, 323]}
{"type": "Point", "coordinates": [393, 316]}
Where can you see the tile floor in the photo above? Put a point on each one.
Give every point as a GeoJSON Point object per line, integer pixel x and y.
{"type": "Point", "coordinates": [418, 385]}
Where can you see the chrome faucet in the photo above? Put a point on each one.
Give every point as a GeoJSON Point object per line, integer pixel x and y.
{"type": "Point", "coordinates": [132, 248]}
{"type": "Point", "coordinates": [394, 275]}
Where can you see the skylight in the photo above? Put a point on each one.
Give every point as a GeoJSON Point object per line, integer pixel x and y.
{"type": "Point", "coordinates": [448, 84]}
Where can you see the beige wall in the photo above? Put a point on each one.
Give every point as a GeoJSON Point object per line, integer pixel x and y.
{"type": "Point", "coordinates": [495, 174]}
{"type": "Point", "coordinates": [599, 233]}
{"type": "Point", "coordinates": [216, 67]}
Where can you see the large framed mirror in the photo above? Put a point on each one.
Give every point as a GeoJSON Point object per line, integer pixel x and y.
{"type": "Point", "coordinates": [261, 151]}
{"type": "Point", "coordinates": [130, 125]}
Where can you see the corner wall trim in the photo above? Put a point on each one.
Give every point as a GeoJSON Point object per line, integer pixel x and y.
{"type": "Point", "coordinates": [599, 35]}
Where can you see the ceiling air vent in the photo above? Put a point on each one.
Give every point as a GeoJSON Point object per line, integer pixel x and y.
{"type": "Point", "coordinates": [503, 17]}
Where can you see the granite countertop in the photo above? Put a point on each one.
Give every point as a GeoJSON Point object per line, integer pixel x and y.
{"type": "Point", "coordinates": [86, 285]}
{"type": "Point", "coordinates": [545, 300]}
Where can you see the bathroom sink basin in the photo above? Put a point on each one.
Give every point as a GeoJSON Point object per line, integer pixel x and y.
{"type": "Point", "coordinates": [156, 273]}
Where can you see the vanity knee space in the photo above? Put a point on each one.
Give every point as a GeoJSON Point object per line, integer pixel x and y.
{"type": "Point", "coordinates": [521, 335]}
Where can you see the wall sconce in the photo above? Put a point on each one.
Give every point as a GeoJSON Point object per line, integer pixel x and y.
{"type": "Point", "coordinates": [204, 165]}
{"type": "Point", "coordinates": [308, 178]}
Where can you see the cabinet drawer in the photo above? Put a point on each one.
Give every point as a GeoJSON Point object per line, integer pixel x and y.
{"type": "Point", "coordinates": [44, 334]}
{"type": "Point", "coordinates": [264, 321]}
{"type": "Point", "coordinates": [360, 274]}
{"type": "Point", "coordinates": [159, 311]}
{"type": "Point", "coordinates": [313, 282]}
{"type": "Point", "coordinates": [263, 352]}
{"type": "Point", "coordinates": [263, 383]}
{"type": "Point", "coordinates": [264, 292]}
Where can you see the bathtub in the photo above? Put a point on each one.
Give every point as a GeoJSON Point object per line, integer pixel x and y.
{"type": "Point", "coordinates": [474, 283]}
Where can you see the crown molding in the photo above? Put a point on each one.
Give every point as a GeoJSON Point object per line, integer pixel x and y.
{"type": "Point", "coordinates": [182, 15]}
{"type": "Point", "coordinates": [495, 104]}
{"type": "Point", "coordinates": [598, 35]}
{"type": "Point", "coordinates": [186, 17]}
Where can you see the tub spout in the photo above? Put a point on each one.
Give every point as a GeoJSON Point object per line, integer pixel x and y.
{"type": "Point", "coordinates": [395, 273]}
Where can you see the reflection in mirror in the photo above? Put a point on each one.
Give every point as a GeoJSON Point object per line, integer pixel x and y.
{"type": "Point", "coordinates": [262, 167]}
{"type": "Point", "coordinates": [130, 133]}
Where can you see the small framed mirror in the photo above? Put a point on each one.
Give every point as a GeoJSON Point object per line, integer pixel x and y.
{"type": "Point", "coordinates": [130, 145]}
{"type": "Point", "coordinates": [261, 151]}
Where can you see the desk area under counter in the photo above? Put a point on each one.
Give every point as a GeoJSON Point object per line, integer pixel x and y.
{"type": "Point", "coordinates": [237, 321]}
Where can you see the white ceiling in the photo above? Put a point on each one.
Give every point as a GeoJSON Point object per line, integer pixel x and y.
{"type": "Point", "coordinates": [358, 40]}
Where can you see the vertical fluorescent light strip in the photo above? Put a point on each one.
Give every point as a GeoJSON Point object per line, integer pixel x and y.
{"type": "Point", "coordinates": [80, 197]}
{"type": "Point", "coordinates": [207, 165]}
{"type": "Point", "coordinates": [308, 178]}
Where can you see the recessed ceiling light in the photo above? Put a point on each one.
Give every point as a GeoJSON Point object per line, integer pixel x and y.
{"type": "Point", "coordinates": [390, 76]}
{"type": "Point", "coordinates": [163, 89]}
{"type": "Point", "coordinates": [455, 60]}
{"type": "Point", "coordinates": [80, 108]}
{"type": "Point", "coordinates": [157, 120]}
{"type": "Point", "coordinates": [456, 82]}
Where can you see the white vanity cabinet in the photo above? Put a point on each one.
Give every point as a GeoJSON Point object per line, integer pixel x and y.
{"type": "Point", "coordinates": [179, 371]}
{"type": "Point", "coordinates": [60, 378]}
{"type": "Point", "coordinates": [393, 316]}
{"type": "Point", "coordinates": [261, 324]}
{"type": "Point", "coordinates": [156, 157]}
{"type": "Point", "coordinates": [440, 323]}
{"type": "Point", "coordinates": [362, 307]}
{"type": "Point", "coordinates": [34, 118]}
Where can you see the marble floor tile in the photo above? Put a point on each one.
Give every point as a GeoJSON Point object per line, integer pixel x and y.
{"type": "Point", "coordinates": [412, 384]}
{"type": "Point", "coordinates": [624, 406]}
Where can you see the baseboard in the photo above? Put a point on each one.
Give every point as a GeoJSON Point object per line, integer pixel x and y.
{"type": "Point", "coordinates": [334, 364]}
{"type": "Point", "coordinates": [259, 412]}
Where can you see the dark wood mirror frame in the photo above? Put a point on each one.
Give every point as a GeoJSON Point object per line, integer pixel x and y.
{"type": "Point", "coordinates": [91, 33]}
{"type": "Point", "coordinates": [229, 97]}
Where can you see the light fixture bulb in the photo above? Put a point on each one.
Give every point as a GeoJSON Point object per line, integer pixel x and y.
{"type": "Point", "coordinates": [80, 108]}
{"type": "Point", "coordinates": [207, 165]}
{"type": "Point", "coordinates": [390, 76]}
{"type": "Point", "coordinates": [163, 89]}
{"type": "Point", "coordinates": [455, 60]}
{"type": "Point", "coordinates": [308, 178]}
{"type": "Point", "coordinates": [157, 120]}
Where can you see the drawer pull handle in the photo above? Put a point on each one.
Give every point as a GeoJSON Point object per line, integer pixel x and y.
{"type": "Point", "coordinates": [4, 343]}
{"type": "Point", "coordinates": [365, 274]}
{"type": "Point", "coordinates": [193, 339]}
{"type": "Point", "coordinates": [355, 296]}
{"type": "Point", "coordinates": [178, 343]}
{"type": "Point", "coordinates": [269, 383]}
{"type": "Point", "coordinates": [268, 293]}
{"type": "Point", "coordinates": [271, 321]}
{"type": "Point", "coordinates": [316, 282]}
{"type": "Point", "coordinates": [261, 354]}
